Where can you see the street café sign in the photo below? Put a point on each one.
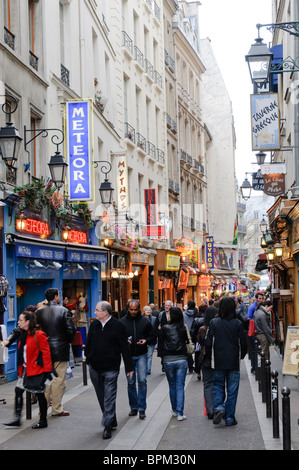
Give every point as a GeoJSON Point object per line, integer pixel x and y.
{"type": "Point", "coordinates": [79, 150]}
{"type": "Point", "coordinates": [257, 181]}
{"type": "Point", "coordinates": [274, 179]}
{"type": "Point", "coordinates": [265, 125]}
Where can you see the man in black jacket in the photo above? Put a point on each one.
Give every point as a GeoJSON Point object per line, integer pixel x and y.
{"type": "Point", "coordinates": [107, 341]}
{"type": "Point", "coordinates": [56, 321]}
{"type": "Point", "coordinates": [140, 333]}
{"type": "Point", "coordinates": [227, 339]}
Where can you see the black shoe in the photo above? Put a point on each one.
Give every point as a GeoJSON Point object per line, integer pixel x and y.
{"type": "Point", "coordinates": [210, 415]}
{"type": "Point", "coordinates": [218, 415]}
{"type": "Point", "coordinates": [107, 433]}
{"type": "Point", "coordinates": [142, 415]}
{"type": "Point", "coordinates": [231, 423]}
{"type": "Point", "coordinates": [133, 413]}
{"type": "Point", "coordinates": [114, 424]}
{"type": "Point", "coordinates": [40, 425]}
{"type": "Point", "coordinates": [14, 423]}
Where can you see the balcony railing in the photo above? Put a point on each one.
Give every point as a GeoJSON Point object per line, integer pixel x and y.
{"type": "Point", "coordinates": [149, 69]}
{"type": "Point", "coordinates": [9, 38]}
{"type": "Point", "coordinates": [151, 150]}
{"type": "Point", "coordinates": [160, 156]}
{"type": "Point", "coordinates": [138, 56]}
{"type": "Point", "coordinates": [158, 78]}
{"type": "Point", "coordinates": [141, 141]}
{"type": "Point", "coordinates": [127, 42]}
{"type": "Point", "coordinates": [129, 132]}
{"type": "Point", "coordinates": [33, 60]}
{"type": "Point", "coordinates": [65, 75]}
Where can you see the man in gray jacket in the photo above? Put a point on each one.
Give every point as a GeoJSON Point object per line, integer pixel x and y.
{"type": "Point", "coordinates": [56, 321]}
{"type": "Point", "coordinates": [263, 331]}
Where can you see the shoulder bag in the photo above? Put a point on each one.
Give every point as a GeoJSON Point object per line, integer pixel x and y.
{"type": "Point", "coordinates": [190, 345]}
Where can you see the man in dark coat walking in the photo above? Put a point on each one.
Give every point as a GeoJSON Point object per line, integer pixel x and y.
{"type": "Point", "coordinates": [56, 321]}
{"type": "Point", "coordinates": [226, 338]}
{"type": "Point", "coordinates": [107, 342]}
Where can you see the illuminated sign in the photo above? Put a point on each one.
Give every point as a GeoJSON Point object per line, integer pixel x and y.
{"type": "Point", "coordinates": [151, 206]}
{"type": "Point", "coordinates": [33, 227]}
{"type": "Point", "coordinates": [77, 236]}
{"type": "Point", "coordinates": [79, 150]}
{"type": "Point", "coordinates": [122, 181]}
{"type": "Point", "coordinates": [154, 231]}
{"type": "Point", "coordinates": [210, 252]}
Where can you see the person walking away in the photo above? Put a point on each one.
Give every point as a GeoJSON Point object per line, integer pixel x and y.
{"type": "Point", "coordinates": [263, 331]}
{"type": "Point", "coordinates": [205, 362]}
{"type": "Point", "coordinates": [197, 323]}
{"type": "Point", "coordinates": [259, 298]}
{"type": "Point", "coordinates": [189, 314]}
{"type": "Point", "coordinates": [226, 339]}
{"type": "Point", "coordinates": [147, 312]}
{"type": "Point", "coordinates": [140, 333]}
{"type": "Point", "coordinates": [56, 321]}
{"type": "Point", "coordinates": [174, 337]}
{"type": "Point", "coordinates": [163, 318]}
{"type": "Point", "coordinates": [34, 366]}
{"type": "Point", "coordinates": [107, 343]}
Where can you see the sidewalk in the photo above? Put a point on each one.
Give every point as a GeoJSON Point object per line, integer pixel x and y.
{"type": "Point", "coordinates": [160, 432]}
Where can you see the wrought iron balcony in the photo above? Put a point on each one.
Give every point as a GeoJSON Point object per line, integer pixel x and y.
{"type": "Point", "coordinates": [9, 38]}
{"type": "Point", "coordinates": [65, 75]}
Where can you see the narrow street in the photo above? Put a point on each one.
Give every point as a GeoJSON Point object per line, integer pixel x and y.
{"type": "Point", "coordinates": [160, 433]}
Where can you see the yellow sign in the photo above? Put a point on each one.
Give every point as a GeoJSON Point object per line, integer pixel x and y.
{"type": "Point", "coordinates": [291, 354]}
{"type": "Point", "coordinates": [172, 262]}
{"type": "Point", "coordinates": [193, 255]}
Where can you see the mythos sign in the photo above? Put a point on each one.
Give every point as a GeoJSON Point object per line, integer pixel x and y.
{"type": "Point", "coordinates": [79, 150]}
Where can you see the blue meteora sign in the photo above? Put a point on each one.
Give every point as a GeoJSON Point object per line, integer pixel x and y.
{"type": "Point", "coordinates": [79, 150]}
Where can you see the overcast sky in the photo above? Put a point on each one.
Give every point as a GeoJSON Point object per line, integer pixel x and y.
{"type": "Point", "coordinates": [231, 27]}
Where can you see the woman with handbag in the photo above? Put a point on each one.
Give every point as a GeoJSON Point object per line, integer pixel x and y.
{"type": "Point", "coordinates": [34, 366]}
{"type": "Point", "coordinates": [174, 357]}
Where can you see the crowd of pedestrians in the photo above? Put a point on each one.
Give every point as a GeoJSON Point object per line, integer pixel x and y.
{"type": "Point", "coordinates": [219, 329]}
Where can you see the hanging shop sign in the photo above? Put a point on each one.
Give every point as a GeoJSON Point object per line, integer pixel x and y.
{"type": "Point", "coordinates": [151, 206]}
{"type": "Point", "coordinates": [172, 262]}
{"type": "Point", "coordinates": [33, 227]}
{"type": "Point", "coordinates": [79, 150]}
{"type": "Point", "coordinates": [193, 255]}
{"type": "Point", "coordinates": [155, 231]}
{"type": "Point", "coordinates": [183, 279]}
{"type": "Point", "coordinates": [204, 282]}
{"type": "Point", "coordinates": [265, 124]}
{"type": "Point", "coordinates": [184, 246]}
{"type": "Point", "coordinates": [122, 187]}
{"type": "Point", "coordinates": [257, 181]}
{"type": "Point", "coordinates": [210, 252]}
{"type": "Point", "coordinates": [274, 179]}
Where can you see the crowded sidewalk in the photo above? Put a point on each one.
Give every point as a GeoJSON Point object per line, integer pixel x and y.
{"type": "Point", "coordinates": [160, 431]}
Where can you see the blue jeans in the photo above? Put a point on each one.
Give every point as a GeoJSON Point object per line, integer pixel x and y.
{"type": "Point", "coordinates": [137, 400]}
{"type": "Point", "coordinates": [176, 375]}
{"type": "Point", "coordinates": [229, 379]}
{"type": "Point", "coordinates": [150, 351]}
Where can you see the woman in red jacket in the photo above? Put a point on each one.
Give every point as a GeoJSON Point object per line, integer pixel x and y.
{"type": "Point", "coordinates": [36, 360]}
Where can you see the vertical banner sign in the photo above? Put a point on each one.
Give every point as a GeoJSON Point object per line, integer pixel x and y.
{"type": "Point", "coordinates": [210, 252]}
{"type": "Point", "coordinates": [122, 182]}
{"type": "Point", "coordinates": [151, 206]}
{"type": "Point", "coordinates": [79, 150]}
{"type": "Point", "coordinates": [265, 124]}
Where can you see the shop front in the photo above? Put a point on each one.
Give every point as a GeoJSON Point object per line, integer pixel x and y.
{"type": "Point", "coordinates": [35, 258]}
{"type": "Point", "coordinates": [166, 269]}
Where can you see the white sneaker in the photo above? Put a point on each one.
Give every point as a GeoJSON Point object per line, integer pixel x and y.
{"type": "Point", "coordinates": [173, 412]}
{"type": "Point", "coordinates": [181, 418]}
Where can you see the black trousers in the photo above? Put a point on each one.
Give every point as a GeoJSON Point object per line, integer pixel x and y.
{"type": "Point", "coordinates": [105, 385]}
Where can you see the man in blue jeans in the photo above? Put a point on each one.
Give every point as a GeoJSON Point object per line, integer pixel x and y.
{"type": "Point", "coordinates": [227, 338]}
{"type": "Point", "coordinates": [140, 334]}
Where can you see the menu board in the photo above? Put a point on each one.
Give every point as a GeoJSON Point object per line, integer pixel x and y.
{"type": "Point", "coordinates": [291, 353]}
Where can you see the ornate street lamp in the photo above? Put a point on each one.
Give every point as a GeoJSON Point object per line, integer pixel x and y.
{"type": "Point", "coordinates": [246, 189]}
{"type": "Point", "coordinates": [106, 190]}
{"type": "Point", "coordinates": [10, 139]}
{"type": "Point", "coordinates": [58, 168]}
{"type": "Point", "coordinates": [278, 250]}
{"type": "Point", "coordinates": [259, 59]}
{"type": "Point", "coordinates": [263, 226]}
{"type": "Point", "coordinates": [260, 157]}
{"type": "Point", "coordinates": [263, 243]}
